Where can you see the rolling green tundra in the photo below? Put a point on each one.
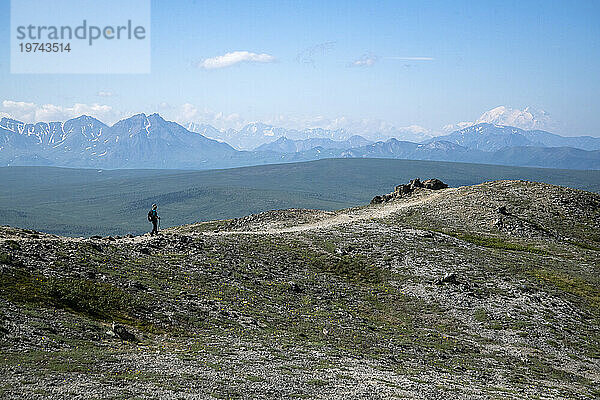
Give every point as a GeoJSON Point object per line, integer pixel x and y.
{"type": "Point", "coordinates": [85, 202]}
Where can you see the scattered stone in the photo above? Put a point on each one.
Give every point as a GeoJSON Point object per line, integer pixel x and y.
{"type": "Point", "coordinates": [90, 274]}
{"type": "Point", "coordinates": [122, 333]}
{"type": "Point", "coordinates": [449, 277]}
{"type": "Point", "coordinates": [96, 246]}
{"type": "Point", "coordinates": [185, 239]}
{"type": "Point", "coordinates": [294, 287]}
{"type": "Point", "coordinates": [137, 285]}
{"type": "Point", "coordinates": [224, 313]}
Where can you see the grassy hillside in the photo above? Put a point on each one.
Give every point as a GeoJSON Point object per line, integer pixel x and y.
{"type": "Point", "coordinates": [87, 202]}
{"type": "Point", "coordinates": [482, 292]}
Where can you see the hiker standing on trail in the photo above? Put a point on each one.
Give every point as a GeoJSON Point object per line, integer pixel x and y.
{"type": "Point", "coordinates": [153, 217]}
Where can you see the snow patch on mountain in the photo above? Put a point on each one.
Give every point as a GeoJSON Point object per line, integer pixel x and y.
{"type": "Point", "coordinates": [528, 119]}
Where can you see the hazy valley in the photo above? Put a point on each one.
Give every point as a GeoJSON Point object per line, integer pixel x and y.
{"type": "Point", "coordinates": [85, 202]}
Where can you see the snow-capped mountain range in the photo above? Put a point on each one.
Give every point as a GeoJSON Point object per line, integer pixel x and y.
{"type": "Point", "coordinates": [148, 141]}
{"type": "Point", "coordinates": [256, 134]}
{"type": "Point", "coordinates": [138, 141]}
{"type": "Point", "coordinates": [492, 137]}
{"type": "Point", "coordinates": [285, 145]}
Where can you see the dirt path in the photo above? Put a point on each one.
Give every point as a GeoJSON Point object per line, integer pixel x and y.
{"type": "Point", "coordinates": [355, 215]}
{"type": "Point", "coordinates": [345, 217]}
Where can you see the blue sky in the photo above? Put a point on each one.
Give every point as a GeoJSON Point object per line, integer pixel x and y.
{"type": "Point", "coordinates": [477, 55]}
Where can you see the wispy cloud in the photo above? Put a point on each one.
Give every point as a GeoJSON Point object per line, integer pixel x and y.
{"type": "Point", "coordinates": [411, 58]}
{"type": "Point", "coordinates": [187, 113]}
{"type": "Point", "coordinates": [373, 129]}
{"type": "Point", "coordinates": [311, 54]}
{"type": "Point", "coordinates": [366, 60]}
{"type": "Point", "coordinates": [370, 59]}
{"type": "Point", "coordinates": [235, 57]}
{"type": "Point", "coordinates": [105, 93]}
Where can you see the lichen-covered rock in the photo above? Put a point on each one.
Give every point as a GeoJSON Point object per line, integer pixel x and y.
{"type": "Point", "coordinates": [377, 200]}
{"type": "Point", "coordinates": [434, 184]}
{"type": "Point", "coordinates": [407, 189]}
{"type": "Point", "coordinates": [122, 333]}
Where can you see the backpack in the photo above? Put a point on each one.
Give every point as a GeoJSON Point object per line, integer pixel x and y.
{"type": "Point", "coordinates": [150, 215]}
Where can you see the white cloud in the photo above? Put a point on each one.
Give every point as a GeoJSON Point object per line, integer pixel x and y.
{"type": "Point", "coordinates": [412, 58]}
{"type": "Point", "coordinates": [31, 112]}
{"type": "Point", "coordinates": [370, 128]}
{"type": "Point", "coordinates": [188, 113]}
{"type": "Point", "coordinates": [457, 126]}
{"type": "Point", "coordinates": [19, 110]}
{"type": "Point", "coordinates": [366, 60]}
{"type": "Point", "coordinates": [104, 93]}
{"type": "Point", "coordinates": [233, 58]}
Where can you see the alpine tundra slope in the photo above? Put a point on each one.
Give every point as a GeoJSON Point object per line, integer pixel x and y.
{"type": "Point", "coordinates": [486, 291]}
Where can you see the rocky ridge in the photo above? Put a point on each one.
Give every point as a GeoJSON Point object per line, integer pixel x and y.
{"type": "Point", "coordinates": [407, 189]}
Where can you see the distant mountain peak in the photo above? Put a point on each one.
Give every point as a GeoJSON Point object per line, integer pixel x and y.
{"type": "Point", "coordinates": [135, 117]}
{"type": "Point", "coordinates": [528, 118]}
{"type": "Point", "coordinates": [442, 145]}
{"type": "Point", "coordinates": [487, 136]}
{"type": "Point", "coordinates": [136, 141]}
{"type": "Point", "coordinates": [156, 117]}
{"type": "Point", "coordinates": [83, 117]}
